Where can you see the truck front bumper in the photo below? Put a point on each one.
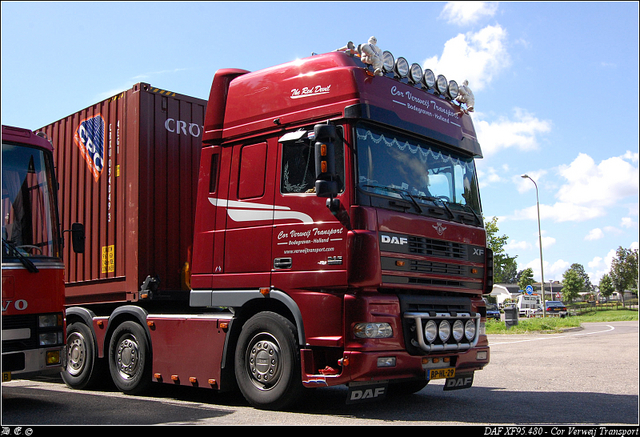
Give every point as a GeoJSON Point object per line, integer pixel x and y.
{"type": "Point", "coordinates": [359, 366]}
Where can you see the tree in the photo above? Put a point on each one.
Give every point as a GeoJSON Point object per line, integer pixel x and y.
{"type": "Point", "coordinates": [504, 266]}
{"type": "Point", "coordinates": [579, 269]}
{"type": "Point", "coordinates": [606, 286]}
{"type": "Point", "coordinates": [624, 271]}
{"type": "Point", "coordinates": [572, 284]}
{"type": "Point", "coordinates": [526, 278]}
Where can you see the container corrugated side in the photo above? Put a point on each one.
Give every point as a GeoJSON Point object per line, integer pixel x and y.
{"type": "Point", "coordinates": [128, 169]}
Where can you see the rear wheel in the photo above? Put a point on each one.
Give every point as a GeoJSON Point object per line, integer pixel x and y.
{"type": "Point", "coordinates": [267, 362]}
{"type": "Point", "coordinates": [83, 369]}
{"type": "Point", "coordinates": [129, 358]}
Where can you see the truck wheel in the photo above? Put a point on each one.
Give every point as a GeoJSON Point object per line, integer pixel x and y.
{"type": "Point", "coordinates": [267, 362]}
{"type": "Point", "coordinates": [83, 369]}
{"type": "Point", "coordinates": [129, 358]}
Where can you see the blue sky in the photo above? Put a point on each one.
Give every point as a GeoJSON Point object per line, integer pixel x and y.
{"type": "Point", "coordinates": [555, 84]}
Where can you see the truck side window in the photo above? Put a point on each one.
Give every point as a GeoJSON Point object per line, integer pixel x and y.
{"type": "Point", "coordinates": [298, 165]}
{"type": "Point", "coordinates": [253, 162]}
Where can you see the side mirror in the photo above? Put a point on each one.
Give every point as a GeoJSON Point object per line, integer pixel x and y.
{"type": "Point", "coordinates": [77, 237]}
{"type": "Point", "coordinates": [326, 178]}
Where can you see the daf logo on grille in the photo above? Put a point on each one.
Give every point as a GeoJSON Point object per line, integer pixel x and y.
{"type": "Point", "coordinates": [394, 240]}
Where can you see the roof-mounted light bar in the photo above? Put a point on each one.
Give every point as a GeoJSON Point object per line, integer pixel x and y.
{"type": "Point", "coordinates": [388, 62]}
{"type": "Point", "coordinates": [429, 79]}
{"type": "Point", "coordinates": [401, 68]}
{"type": "Point", "coordinates": [452, 89]}
{"type": "Point", "coordinates": [414, 73]}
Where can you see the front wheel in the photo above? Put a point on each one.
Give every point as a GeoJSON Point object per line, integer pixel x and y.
{"type": "Point", "coordinates": [129, 358]}
{"type": "Point", "coordinates": [84, 369]}
{"type": "Point", "coordinates": [267, 362]}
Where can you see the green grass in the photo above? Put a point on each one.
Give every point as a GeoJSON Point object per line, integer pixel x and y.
{"type": "Point", "coordinates": [557, 324]}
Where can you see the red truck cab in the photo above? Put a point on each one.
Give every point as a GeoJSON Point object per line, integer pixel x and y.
{"type": "Point", "coordinates": [33, 321]}
{"type": "Point", "coordinates": [318, 225]}
{"type": "Point", "coordinates": [379, 265]}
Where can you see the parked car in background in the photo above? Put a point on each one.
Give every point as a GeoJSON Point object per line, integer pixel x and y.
{"type": "Point", "coordinates": [493, 312]}
{"type": "Point", "coordinates": [554, 307]}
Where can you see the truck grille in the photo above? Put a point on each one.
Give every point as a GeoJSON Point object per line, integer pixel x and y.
{"type": "Point", "coordinates": [439, 248]}
{"type": "Point", "coordinates": [20, 322]}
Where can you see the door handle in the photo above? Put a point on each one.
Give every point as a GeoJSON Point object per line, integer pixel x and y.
{"type": "Point", "coordinates": [282, 263]}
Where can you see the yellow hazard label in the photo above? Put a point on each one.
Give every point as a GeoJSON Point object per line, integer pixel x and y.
{"type": "Point", "coordinates": [108, 259]}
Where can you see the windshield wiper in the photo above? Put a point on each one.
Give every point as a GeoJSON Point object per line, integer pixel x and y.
{"type": "Point", "coordinates": [399, 191]}
{"type": "Point", "coordinates": [473, 211]}
{"type": "Point", "coordinates": [442, 202]}
{"type": "Point", "coordinates": [30, 266]}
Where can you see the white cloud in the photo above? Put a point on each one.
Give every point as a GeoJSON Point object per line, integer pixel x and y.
{"type": "Point", "coordinates": [559, 212]}
{"type": "Point", "coordinates": [551, 271]}
{"type": "Point", "coordinates": [589, 189]}
{"type": "Point", "coordinates": [464, 13]}
{"type": "Point", "coordinates": [521, 130]}
{"type": "Point", "coordinates": [598, 185]}
{"type": "Point", "coordinates": [594, 234]}
{"type": "Point", "coordinates": [516, 245]}
{"type": "Point", "coordinates": [477, 57]}
{"type": "Point", "coordinates": [599, 266]}
{"type": "Point", "coordinates": [627, 222]}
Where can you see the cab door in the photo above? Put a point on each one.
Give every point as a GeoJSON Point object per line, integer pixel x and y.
{"type": "Point", "coordinates": [309, 243]}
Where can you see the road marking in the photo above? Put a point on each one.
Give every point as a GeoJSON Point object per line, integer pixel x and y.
{"type": "Point", "coordinates": [611, 328]}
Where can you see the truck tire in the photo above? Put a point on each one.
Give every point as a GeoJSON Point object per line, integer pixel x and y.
{"type": "Point", "coordinates": [267, 362]}
{"type": "Point", "coordinates": [83, 369]}
{"type": "Point", "coordinates": [129, 358]}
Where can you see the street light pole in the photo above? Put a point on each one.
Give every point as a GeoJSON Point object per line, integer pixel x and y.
{"type": "Point", "coordinates": [525, 176]}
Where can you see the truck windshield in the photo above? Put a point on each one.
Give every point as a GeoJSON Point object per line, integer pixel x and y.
{"type": "Point", "coordinates": [28, 208]}
{"type": "Point", "coordinates": [399, 167]}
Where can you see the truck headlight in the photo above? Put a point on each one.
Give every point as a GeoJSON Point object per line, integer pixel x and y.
{"type": "Point", "coordinates": [49, 320]}
{"type": "Point", "coordinates": [458, 330]}
{"type": "Point", "coordinates": [373, 330]}
{"type": "Point", "coordinates": [470, 329]}
{"type": "Point", "coordinates": [50, 338]}
{"type": "Point", "coordinates": [445, 331]}
{"type": "Point", "coordinates": [430, 331]}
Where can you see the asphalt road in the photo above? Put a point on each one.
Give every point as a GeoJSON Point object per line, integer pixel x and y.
{"type": "Point", "coordinates": [580, 377]}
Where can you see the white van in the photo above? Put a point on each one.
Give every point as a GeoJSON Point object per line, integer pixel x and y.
{"type": "Point", "coordinates": [528, 305]}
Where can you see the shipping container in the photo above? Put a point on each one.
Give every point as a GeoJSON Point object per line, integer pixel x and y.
{"type": "Point", "coordinates": [128, 169]}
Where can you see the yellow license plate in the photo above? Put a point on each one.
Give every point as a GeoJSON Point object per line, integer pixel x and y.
{"type": "Point", "coordinates": [442, 373]}
{"type": "Point", "coordinates": [6, 376]}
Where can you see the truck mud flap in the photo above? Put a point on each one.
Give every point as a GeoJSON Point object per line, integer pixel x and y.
{"type": "Point", "coordinates": [459, 382]}
{"type": "Point", "coordinates": [367, 392]}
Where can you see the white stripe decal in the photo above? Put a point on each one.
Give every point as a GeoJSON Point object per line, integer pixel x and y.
{"type": "Point", "coordinates": [250, 212]}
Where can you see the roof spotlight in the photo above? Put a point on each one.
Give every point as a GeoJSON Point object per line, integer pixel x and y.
{"type": "Point", "coordinates": [388, 61]}
{"type": "Point", "coordinates": [415, 73]}
{"type": "Point", "coordinates": [441, 84]}
{"type": "Point", "coordinates": [428, 79]}
{"type": "Point", "coordinates": [452, 90]}
{"type": "Point", "coordinates": [401, 68]}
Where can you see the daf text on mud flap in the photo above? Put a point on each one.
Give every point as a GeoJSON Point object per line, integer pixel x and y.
{"type": "Point", "coordinates": [459, 382]}
{"type": "Point", "coordinates": [366, 393]}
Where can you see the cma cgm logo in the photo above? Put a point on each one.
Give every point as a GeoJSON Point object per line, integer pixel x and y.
{"type": "Point", "coordinates": [393, 240]}
{"type": "Point", "coordinates": [89, 138]}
